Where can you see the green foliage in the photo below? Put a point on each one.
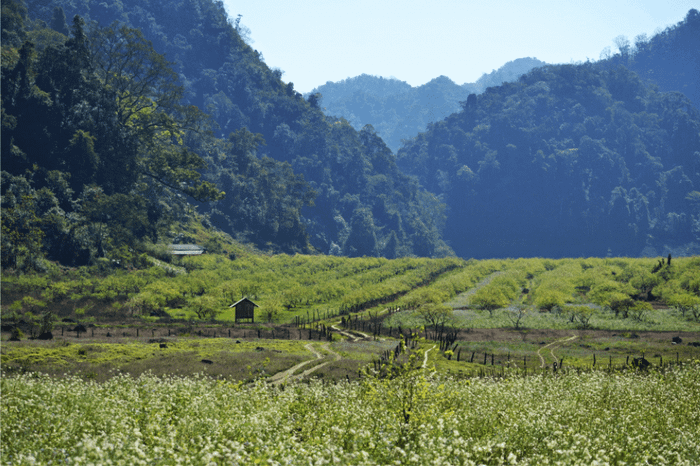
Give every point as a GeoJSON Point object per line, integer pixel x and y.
{"type": "Point", "coordinates": [143, 134]}
{"type": "Point", "coordinates": [580, 145]}
{"type": "Point", "coordinates": [489, 299]}
{"type": "Point", "coordinates": [435, 315]}
{"type": "Point", "coordinates": [399, 111]}
{"type": "Point", "coordinates": [522, 420]}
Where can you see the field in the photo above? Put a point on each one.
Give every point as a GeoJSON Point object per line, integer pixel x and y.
{"type": "Point", "coordinates": [355, 361]}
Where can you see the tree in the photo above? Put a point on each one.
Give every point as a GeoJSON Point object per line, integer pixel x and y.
{"type": "Point", "coordinates": [683, 301]}
{"type": "Point", "coordinates": [362, 240]}
{"type": "Point", "coordinates": [516, 314]}
{"type": "Point", "coordinates": [623, 45]}
{"type": "Point", "coordinates": [639, 309]}
{"type": "Point", "coordinates": [435, 315]}
{"type": "Point", "coordinates": [58, 21]}
{"type": "Point", "coordinates": [148, 100]}
{"type": "Point", "coordinates": [22, 232]}
{"type": "Point", "coordinates": [205, 307]}
{"type": "Point", "coordinates": [548, 299]}
{"type": "Point", "coordinates": [489, 299]}
{"type": "Point", "coordinates": [581, 313]}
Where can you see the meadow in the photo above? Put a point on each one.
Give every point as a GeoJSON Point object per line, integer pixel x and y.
{"type": "Point", "coordinates": [355, 361]}
{"type": "Point", "coordinates": [415, 417]}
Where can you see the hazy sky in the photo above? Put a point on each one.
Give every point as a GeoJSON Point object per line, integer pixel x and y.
{"type": "Point", "coordinates": [314, 41]}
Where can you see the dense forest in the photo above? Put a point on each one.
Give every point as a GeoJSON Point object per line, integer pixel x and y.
{"type": "Point", "coordinates": [114, 126]}
{"type": "Point", "coordinates": [670, 59]}
{"type": "Point", "coordinates": [123, 119]}
{"type": "Point", "coordinates": [570, 160]}
{"type": "Point", "coordinates": [398, 111]}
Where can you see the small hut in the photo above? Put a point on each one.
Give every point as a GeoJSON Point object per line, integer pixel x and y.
{"type": "Point", "coordinates": [186, 249]}
{"type": "Point", "coordinates": [245, 309]}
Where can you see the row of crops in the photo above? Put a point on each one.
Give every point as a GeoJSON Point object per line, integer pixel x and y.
{"type": "Point", "coordinates": [286, 287]}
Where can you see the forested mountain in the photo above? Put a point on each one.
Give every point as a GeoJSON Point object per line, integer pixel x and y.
{"type": "Point", "coordinates": [399, 111]}
{"type": "Point", "coordinates": [211, 121]}
{"type": "Point", "coordinates": [571, 160]}
{"type": "Point", "coordinates": [669, 59]}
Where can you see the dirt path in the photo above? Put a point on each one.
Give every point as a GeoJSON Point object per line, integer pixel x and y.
{"type": "Point", "coordinates": [425, 357]}
{"type": "Point", "coordinates": [351, 333]}
{"type": "Point", "coordinates": [288, 375]}
{"type": "Point", "coordinates": [282, 376]}
{"type": "Point", "coordinates": [462, 298]}
{"type": "Point", "coordinates": [168, 267]}
{"type": "Point", "coordinates": [347, 334]}
{"type": "Point", "coordinates": [552, 346]}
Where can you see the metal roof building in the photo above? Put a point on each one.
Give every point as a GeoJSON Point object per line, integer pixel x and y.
{"type": "Point", "coordinates": [186, 249]}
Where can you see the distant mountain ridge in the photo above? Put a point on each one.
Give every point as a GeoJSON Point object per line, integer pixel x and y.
{"type": "Point", "coordinates": [399, 111]}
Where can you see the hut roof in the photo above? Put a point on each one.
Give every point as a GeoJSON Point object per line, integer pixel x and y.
{"type": "Point", "coordinates": [241, 300]}
{"type": "Point", "coordinates": [186, 249]}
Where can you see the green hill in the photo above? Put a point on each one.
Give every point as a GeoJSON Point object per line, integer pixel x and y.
{"type": "Point", "coordinates": [211, 123]}
{"type": "Point", "coordinates": [570, 160]}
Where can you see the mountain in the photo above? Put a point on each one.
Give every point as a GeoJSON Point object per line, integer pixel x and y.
{"type": "Point", "coordinates": [294, 180]}
{"type": "Point", "coordinates": [399, 111]}
{"type": "Point", "coordinates": [570, 160]}
{"type": "Point", "coordinates": [669, 59]}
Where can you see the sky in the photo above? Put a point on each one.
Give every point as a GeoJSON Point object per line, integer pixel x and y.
{"type": "Point", "coordinates": [315, 41]}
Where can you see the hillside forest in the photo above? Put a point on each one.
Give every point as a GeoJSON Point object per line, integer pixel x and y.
{"type": "Point", "coordinates": [128, 144]}
{"type": "Point", "coordinates": [399, 111]}
{"type": "Point", "coordinates": [125, 121]}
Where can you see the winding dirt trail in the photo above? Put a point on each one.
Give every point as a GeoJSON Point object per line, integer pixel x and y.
{"type": "Point", "coordinates": [343, 332]}
{"type": "Point", "coordinates": [552, 346]}
{"type": "Point", "coordinates": [351, 333]}
{"type": "Point", "coordinates": [288, 375]}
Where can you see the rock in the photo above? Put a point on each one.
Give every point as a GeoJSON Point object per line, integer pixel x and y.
{"type": "Point", "coordinates": [677, 340]}
{"type": "Point", "coordinates": [45, 336]}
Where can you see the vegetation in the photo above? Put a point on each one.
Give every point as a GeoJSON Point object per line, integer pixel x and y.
{"type": "Point", "coordinates": [398, 111]}
{"type": "Point", "coordinates": [413, 416]}
{"type": "Point", "coordinates": [583, 189]}
{"type": "Point", "coordinates": [393, 394]}
{"type": "Point", "coordinates": [276, 171]}
{"type": "Point", "coordinates": [588, 293]}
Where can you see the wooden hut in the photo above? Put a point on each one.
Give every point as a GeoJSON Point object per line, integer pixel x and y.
{"type": "Point", "coordinates": [245, 309]}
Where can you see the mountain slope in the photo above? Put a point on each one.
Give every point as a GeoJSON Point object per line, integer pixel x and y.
{"type": "Point", "coordinates": [669, 59]}
{"type": "Point", "coordinates": [399, 111]}
{"type": "Point", "coordinates": [571, 160]}
{"type": "Point", "coordinates": [363, 203]}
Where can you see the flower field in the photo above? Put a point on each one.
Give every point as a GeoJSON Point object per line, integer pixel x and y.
{"type": "Point", "coordinates": [414, 418]}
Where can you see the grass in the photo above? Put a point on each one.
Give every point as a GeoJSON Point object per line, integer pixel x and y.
{"type": "Point", "coordinates": [238, 361]}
